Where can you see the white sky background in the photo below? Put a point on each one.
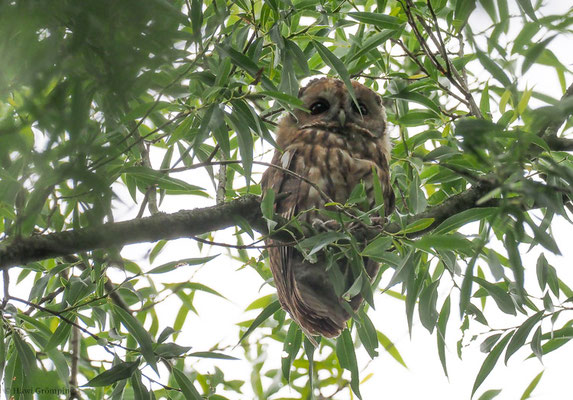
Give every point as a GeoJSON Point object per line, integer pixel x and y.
{"type": "Point", "coordinates": [424, 378]}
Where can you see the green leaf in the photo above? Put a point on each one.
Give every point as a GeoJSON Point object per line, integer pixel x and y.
{"type": "Point", "coordinates": [347, 359]}
{"type": "Point", "coordinates": [196, 19]}
{"type": "Point", "coordinates": [61, 334]}
{"type": "Point", "coordinates": [390, 348]}
{"type": "Point", "coordinates": [521, 334]}
{"type": "Point", "coordinates": [456, 221]}
{"type": "Point", "coordinates": [489, 7]}
{"type": "Point", "coordinates": [26, 355]}
{"type": "Point", "coordinates": [484, 101]}
{"type": "Point", "coordinates": [533, 53]}
{"type": "Point", "coordinates": [515, 260]}
{"type": "Point", "coordinates": [140, 392]}
{"type": "Point", "coordinates": [536, 344]}
{"type": "Point", "coordinates": [441, 334]}
{"type": "Point", "coordinates": [212, 354]}
{"type": "Point", "coordinates": [285, 98]}
{"type": "Point", "coordinates": [443, 242]}
{"type": "Point", "coordinates": [427, 306]}
{"type": "Point", "coordinates": [2, 350]}
{"type": "Point", "coordinates": [500, 296]}
{"type": "Point", "coordinates": [378, 247]}
{"type": "Point", "coordinates": [380, 20]}
{"type": "Point", "coordinates": [170, 350]}
{"type": "Point", "coordinates": [248, 65]}
{"type": "Point", "coordinates": [291, 347]}
{"type": "Point", "coordinates": [531, 387]}
{"type": "Point", "coordinates": [123, 370]}
{"type": "Point", "coordinates": [367, 334]}
{"type": "Point", "coordinates": [172, 265]}
{"type": "Point", "coordinates": [318, 242]}
{"type": "Point", "coordinates": [418, 225]}
{"type": "Point", "coordinates": [490, 362]}
{"type": "Point", "coordinates": [334, 62]}
{"type": "Point", "coordinates": [148, 176]}
{"type": "Point", "coordinates": [491, 66]}
{"type": "Point", "coordinates": [526, 6]}
{"type": "Point", "coordinates": [262, 317]}
{"type": "Point", "coordinates": [490, 394]}
{"type": "Point", "coordinates": [186, 385]}
{"type": "Point", "coordinates": [417, 98]}
{"type": "Point", "coordinates": [139, 333]}
{"type": "Point", "coordinates": [463, 9]}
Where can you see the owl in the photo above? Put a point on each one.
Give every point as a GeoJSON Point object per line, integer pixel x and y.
{"type": "Point", "coordinates": [336, 145]}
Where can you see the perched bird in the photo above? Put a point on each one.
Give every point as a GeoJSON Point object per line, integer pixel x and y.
{"type": "Point", "coordinates": [336, 145]}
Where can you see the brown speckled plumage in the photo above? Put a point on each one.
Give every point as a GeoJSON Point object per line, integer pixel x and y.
{"type": "Point", "coordinates": [335, 147]}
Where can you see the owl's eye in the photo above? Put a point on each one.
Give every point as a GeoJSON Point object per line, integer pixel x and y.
{"type": "Point", "coordinates": [363, 109]}
{"type": "Point", "coordinates": [319, 107]}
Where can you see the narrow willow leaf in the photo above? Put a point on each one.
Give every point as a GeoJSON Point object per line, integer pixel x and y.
{"type": "Point", "coordinates": [493, 68]}
{"type": "Point", "coordinates": [418, 225]}
{"type": "Point", "coordinates": [139, 333]}
{"type": "Point", "coordinates": [533, 53]}
{"type": "Point", "coordinates": [417, 98]}
{"type": "Point", "coordinates": [268, 208]}
{"type": "Point", "coordinates": [309, 351]}
{"type": "Point", "coordinates": [521, 334]}
{"type": "Point", "coordinates": [347, 358]}
{"type": "Point", "coordinates": [318, 242]}
{"type": "Point", "coordinates": [118, 372]}
{"type": "Point", "coordinates": [515, 260]}
{"type": "Point", "coordinates": [526, 6]}
{"type": "Point", "coordinates": [334, 62]}
{"type": "Point", "coordinates": [490, 362]}
{"type": "Point", "coordinates": [148, 176]}
{"type": "Point", "coordinates": [427, 306]}
{"type": "Point", "coordinates": [186, 385]}
{"type": "Point", "coordinates": [196, 19]}
{"type": "Point", "coordinates": [531, 387]}
{"type": "Point", "coordinates": [170, 350]}
{"type": "Point", "coordinates": [489, 7]}
{"type": "Point", "coordinates": [248, 65]}
{"type": "Point", "coordinates": [170, 266]}
{"type": "Point", "coordinates": [2, 350]}
{"type": "Point", "coordinates": [489, 342]}
{"type": "Point", "coordinates": [285, 98]}
{"type": "Point", "coordinates": [443, 242]}
{"type": "Point", "coordinates": [390, 348]}
{"type": "Point", "coordinates": [61, 334]}
{"type": "Point", "coordinates": [378, 247]}
{"type": "Point", "coordinates": [262, 317]}
{"type": "Point", "coordinates": [484, 101]}
{"type": "Point", "coordinates": [291, 347]}
{"type": "Point", "coordinates": [367, 335]}
{"type": "Point", "coordinates": [26, 354]}
{"type": "Point", "coordinates": [464, 9]}
{"type": "Point", "coordinates": [377, 19]}
{"type": "Point", "coordinates": [140, 392]}
{"type": "Point", "coordinates": [441, 334]}
{"type": "Point", "coordinates": [490, 394]}
{"type": "Point", "coordinates": [536, 344]}
{"type": "Point", "coordinates": [500, 296]}
{"type": "Point", "coordinates": [524, 101]}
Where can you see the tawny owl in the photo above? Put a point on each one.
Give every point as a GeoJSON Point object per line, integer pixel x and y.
{"type": "Point", "coordinates": [336, 145]}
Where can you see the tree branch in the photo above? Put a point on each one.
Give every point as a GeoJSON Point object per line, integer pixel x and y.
{"type": "Point", "coordinates": [181, 224]}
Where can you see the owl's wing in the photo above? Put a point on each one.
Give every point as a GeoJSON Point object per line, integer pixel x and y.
{"type": "Point", "coordinates": [285, 184]}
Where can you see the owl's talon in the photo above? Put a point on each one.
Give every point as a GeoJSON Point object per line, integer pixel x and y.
{"type": "Point", "coordinates": [325, 226]}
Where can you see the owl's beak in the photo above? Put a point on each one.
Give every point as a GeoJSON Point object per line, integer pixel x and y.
{"type": "Point", "coordinates": [341, 118]}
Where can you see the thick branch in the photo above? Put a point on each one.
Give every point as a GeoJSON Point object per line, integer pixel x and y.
{"type": "Point", "coordinates": [181, 224]}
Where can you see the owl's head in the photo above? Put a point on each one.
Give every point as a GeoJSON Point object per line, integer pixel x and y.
{"type": "Point", "coordinates": [331, 107]}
